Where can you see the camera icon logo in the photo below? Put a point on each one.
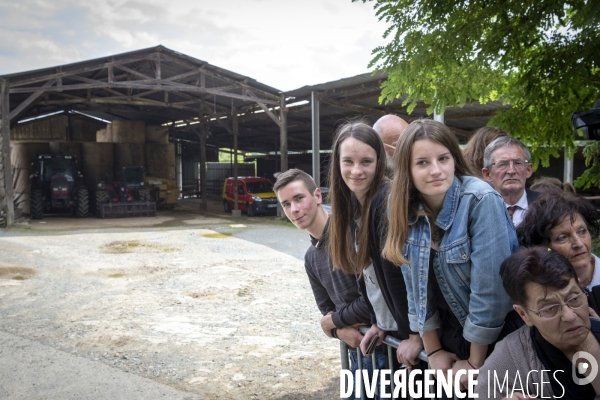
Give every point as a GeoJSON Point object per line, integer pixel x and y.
{"type": "Point", "coordinates": [583, 362]}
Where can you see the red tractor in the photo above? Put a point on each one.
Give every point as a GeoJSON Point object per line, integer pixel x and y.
{"type": "Point", "coordinates": [128, 197]}
{"type": "Point", "coordinates": [57, 184]}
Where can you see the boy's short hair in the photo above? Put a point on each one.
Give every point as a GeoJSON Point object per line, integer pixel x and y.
{"type": "Point", "coordinates": [295, 174]}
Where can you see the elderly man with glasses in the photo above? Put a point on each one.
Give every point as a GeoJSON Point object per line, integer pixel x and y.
{"type": "Point", "coordinates": [506, 168]}
{"type": "Point", "coordinates": [555, 355]}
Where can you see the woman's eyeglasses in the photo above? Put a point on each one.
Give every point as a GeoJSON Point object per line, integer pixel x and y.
{"type": "Point", "coordinates": [574, 303]}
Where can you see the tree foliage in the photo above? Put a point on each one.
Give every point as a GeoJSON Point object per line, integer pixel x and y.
{"type": "Point", "coordinates": [541, 57]}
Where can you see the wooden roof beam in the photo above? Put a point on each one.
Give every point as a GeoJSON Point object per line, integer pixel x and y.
{"type": "Point", "coordinates": [148, 86]}
{"type": "Point", "coordinates": [63, 74]}
{"type": "Point", "coordinates": [219, 76]}
{"type": "Point", "coordinates": [25, 104]}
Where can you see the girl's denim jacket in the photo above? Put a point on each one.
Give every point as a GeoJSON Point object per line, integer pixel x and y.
{"type": "Point", "coordinates": [476, 236]}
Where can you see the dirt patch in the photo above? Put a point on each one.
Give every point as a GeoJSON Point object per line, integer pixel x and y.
{"type": "Point", "coordinates": [16, 273]}
{"type": "Point", "coordinates": [219, 319]}
{"type": "Point", "coordinates": [207, 295]}
{"type": "Point", "coordinates": [134, 246]}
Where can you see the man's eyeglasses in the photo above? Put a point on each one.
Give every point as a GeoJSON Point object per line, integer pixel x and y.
{"type": "Point", "coordinates": [552, 311]}
{"type": "Point", "coordinates": [517, 163]}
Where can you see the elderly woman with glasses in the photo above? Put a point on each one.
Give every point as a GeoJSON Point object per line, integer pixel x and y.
{"type": "Point", "coordinates": [555, 354]}
{"type": "Point", "coordinates": [567, 224]}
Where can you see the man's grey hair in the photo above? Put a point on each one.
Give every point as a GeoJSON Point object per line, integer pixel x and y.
{"type": "Point", "coordinates": [500, 142]}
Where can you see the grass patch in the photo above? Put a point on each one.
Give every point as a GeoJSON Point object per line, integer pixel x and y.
{"type": "Point", "coordinates": [216, 235]}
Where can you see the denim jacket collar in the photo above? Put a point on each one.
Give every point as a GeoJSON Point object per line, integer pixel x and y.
{"type": "Point", "coordinates": [446, 216]}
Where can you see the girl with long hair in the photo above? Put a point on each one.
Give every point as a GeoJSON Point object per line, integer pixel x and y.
{"type": "Point", "coordinates": [356, 171]}
{"type": "Point", "coordinates": [356, 177]}
{"type": "Point", "coordinates": [450, 232]}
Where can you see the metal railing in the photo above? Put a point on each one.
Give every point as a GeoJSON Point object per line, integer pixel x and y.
{"type": "Point", "coordinates": [390, 343]}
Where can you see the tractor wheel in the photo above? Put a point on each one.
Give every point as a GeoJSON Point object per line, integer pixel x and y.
{"type": "Point", "coordinates": [226, 206]}
{"type": "Point", "coordinates": [36, 207]}
{"type": "Point", "coordinates": [101, 198]}
{"type": "Point", "coordinates": [144, 194]}
{"type": "Point", "coordinates": [250, 210]}
{"type": "Point", "coordinates": [83, 203]}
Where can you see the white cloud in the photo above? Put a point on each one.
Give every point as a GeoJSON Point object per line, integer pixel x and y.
{"type": "Point", "coordinates": [281, 43]}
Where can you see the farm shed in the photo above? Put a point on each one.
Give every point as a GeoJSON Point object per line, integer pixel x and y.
{"type": "Point", "coordinates": [198, 103]}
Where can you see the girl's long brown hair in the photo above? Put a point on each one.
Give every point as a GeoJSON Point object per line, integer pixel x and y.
{"type": "Point", "coordinates": [344, 205]}
{"type": "Point", "coordinates": [473, 151]}
{"type": "Point", "coordinates": [403, 194]}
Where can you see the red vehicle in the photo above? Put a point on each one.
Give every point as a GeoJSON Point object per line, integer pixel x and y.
{"type": "Point", "coordinates": [57, 184]}
{"type": "Point", "coordinates": [128, 197]}
{"type": "Point", "coordinates": [255, 195]}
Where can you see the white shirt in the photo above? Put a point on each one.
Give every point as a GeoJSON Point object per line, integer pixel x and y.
{"type": "Point", "coordinates": [519, 213]}
{"type": "Point", "coordinates": [596, 278]}
{"type": "Point", "coordinates": [383, 315]}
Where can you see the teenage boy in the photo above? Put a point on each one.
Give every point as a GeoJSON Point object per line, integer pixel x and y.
{"type": "Point", "coordinates": [336, 292]}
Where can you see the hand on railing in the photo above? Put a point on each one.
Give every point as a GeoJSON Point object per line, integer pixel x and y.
{"type": "Point", "coordinates": [408, 351]}
{"type": "Point", "coordinates": [327, 324]}
{"type": "Point", "coordinates": [442, 360]}
{"type": "Point", "coordinates": [394, 342]}
{"type": "Point", "coordinates": [367, 338]}
{"type": "Point", "coordinates": [351, 336]}
{"type": "Point", "coordinates": [466, 365]}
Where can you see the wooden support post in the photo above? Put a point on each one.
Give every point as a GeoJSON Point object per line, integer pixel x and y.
{"type": "Point", "coordinates": [234, 128]}
{"type": "Point", "coordinates": [179, 167]}
{"type": "Point", "coordinates": [203, 189]}
{"type": "Point", "coordinates": [6, 178]}
{"type": "Point", "coordinates": [283, 133]}
{"type": "Point", "coordinates": [316, 138]}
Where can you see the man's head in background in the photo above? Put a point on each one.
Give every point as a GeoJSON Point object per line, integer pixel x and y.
{"type": "Point", "coordinates": [506, 166]}
{"type": "Point", "coordinates": [390, 127]}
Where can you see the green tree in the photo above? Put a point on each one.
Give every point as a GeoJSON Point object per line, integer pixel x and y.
{"type": "Point", "coordinates": [541, 57]}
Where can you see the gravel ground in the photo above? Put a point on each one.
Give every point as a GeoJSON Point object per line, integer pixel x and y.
{"type": "Point", "coordinates": [211, 305]}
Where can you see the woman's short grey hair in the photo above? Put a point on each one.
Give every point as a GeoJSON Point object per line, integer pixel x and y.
{"type": "Point", "coordinates": [502, 141]}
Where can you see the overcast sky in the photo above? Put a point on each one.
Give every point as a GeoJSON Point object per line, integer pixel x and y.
{"type": "Point", "coordinates": [282, 43]}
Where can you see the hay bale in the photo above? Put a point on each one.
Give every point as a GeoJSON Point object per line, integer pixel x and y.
{"type": "Point", "coordinates": [21, 156]}
{"type": "Point", "coordinates": [98, 162]}
{"type": "Point", "coordinates": [128, 155]}
{"type": "Point", "coordinates": [157, 134]}
{"type": "Point", "coordinates": [72, 149]}
{"type": "Point", "coordinates": [160, 160]}
{"type": "Point", "coordinates": [128, 131]}
{"type": "Point", "coordinates": [23, 153]}
{"type": "Point", "coordinates": [104, 135]}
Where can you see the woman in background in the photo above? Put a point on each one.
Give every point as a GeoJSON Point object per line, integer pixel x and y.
{"type": "Point", "coordinates": [475, 147]}
{"type": "Point", "coordinates": [568, 225]}
{"type": "Point", "coordinates": [540, 359]}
